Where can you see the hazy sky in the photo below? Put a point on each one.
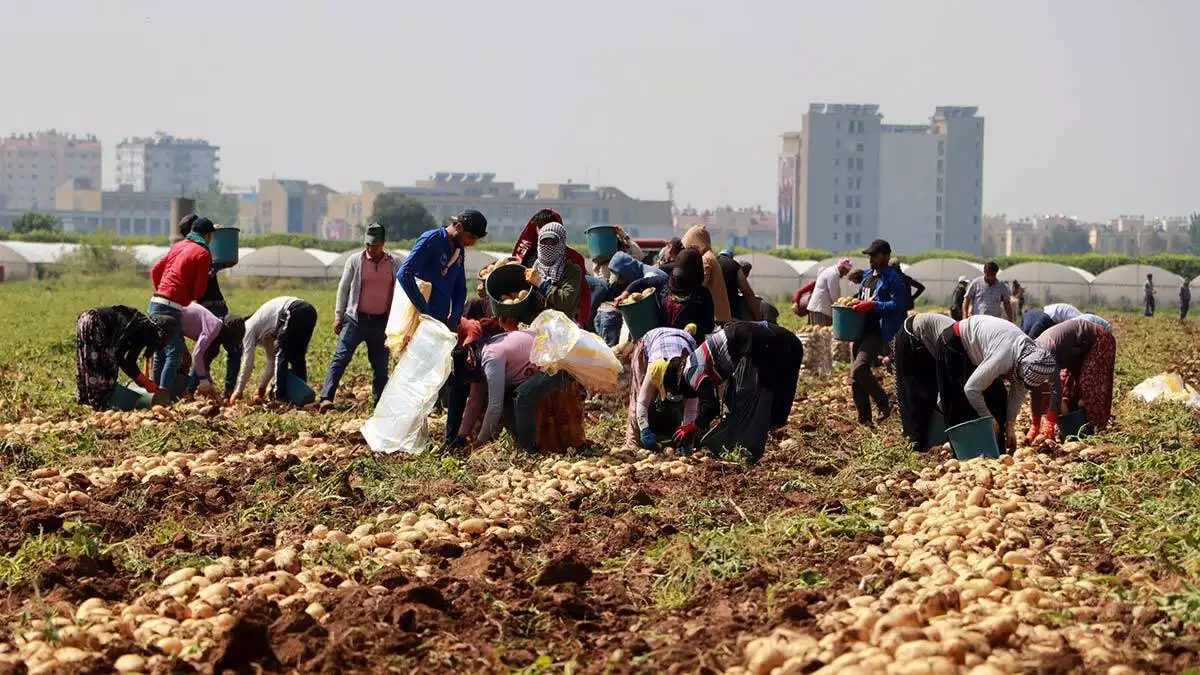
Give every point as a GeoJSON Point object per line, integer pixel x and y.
{"type": "Point", "coordinates": [1091, 105]}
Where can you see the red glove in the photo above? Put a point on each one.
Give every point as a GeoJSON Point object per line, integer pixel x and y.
{"type": "Point", "coordinates": [864, 306]}
{"type": "Point", "coordinates": [1050, 426]}
{"type": "Point", "coordinates": [145, 383]}
{"type": "Point", "coordinates": [1034, 428]}
{"type": "Point", "coordinates": [684, 431]}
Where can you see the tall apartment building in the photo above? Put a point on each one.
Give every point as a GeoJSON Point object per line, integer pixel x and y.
{"type": "Point", "coordinates": [508, 208]}
{"type": "Point", "coordinates": [288, 206]}
{"type": "Point", "coordinates": [32, 166]}
{"type": "Point", "coordinates": [163, 163]}
{"type": "Point", "coordinates": [847, 178]}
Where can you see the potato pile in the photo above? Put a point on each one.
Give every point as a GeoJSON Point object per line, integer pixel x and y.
{"type": "Point", "coordinates": [974, 582]}
{"type": "Point", "coordinates": [483, 273]}
{"type": "Point", "coordinates": [637, 297]}
{"type": "Point", "coordinates": [845, 301]}
{"type": "Point", "coordinates": [59, 487]}
{"type": "Point", "coordinates": [818, 348]}
{"type": "Point", "coordinates": [514, 298]}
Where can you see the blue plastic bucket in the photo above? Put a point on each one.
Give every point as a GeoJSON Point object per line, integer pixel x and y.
{"type": "Point", "coordinates": [974, 439]}
{"type": "Point", "coordinates": [937, 430]}
{"type": "Point", "coordinates": [298, 391]}
{"type": "Point", "coordinates": [847, 324]}
{"type": "Point", "coordinates": [640, 316]}
{"type": "Point", "coordinates": [601, 241]}
{"type": "Point", "coordinates": [1072, 424]}
{"type": "Point", "coordinates": [224, 246]}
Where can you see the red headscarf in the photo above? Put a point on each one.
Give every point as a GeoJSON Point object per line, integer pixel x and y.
{"type": "Point", "coordinates": [528, 242]}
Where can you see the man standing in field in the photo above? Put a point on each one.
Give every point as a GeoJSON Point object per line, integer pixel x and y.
{"type": "Point", "coordinates": [988, 295]}
{"type": "Point", "coordinates": [180, 278]}
{"type": "Point", "coordinates": [1148, 289]}
{"type": "Point", "coordinates": [1185, 300]}
{"type": "Point", "coordinates": [437, 258]}
{"type": "Point", "coordinates": [883, 296]}
{"type": "Point", "coordinates": [364, 299]}
{"type": "Point", "coordinates": [827, 290]}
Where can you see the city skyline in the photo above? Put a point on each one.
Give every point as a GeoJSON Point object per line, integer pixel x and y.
{"type": "Point", "coordinates": [1081, 98]}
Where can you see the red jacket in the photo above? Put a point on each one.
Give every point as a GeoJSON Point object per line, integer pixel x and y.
{"type": "Point", "coordinates": [182, 274]}
{"type": "Point", "coordinates": [527, 243]}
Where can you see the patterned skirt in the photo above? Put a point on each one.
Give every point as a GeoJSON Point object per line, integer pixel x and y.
{"type": "Point", "coordinates": [1092, 386]}
{"type": "Point", "coordinates": [95, 361]}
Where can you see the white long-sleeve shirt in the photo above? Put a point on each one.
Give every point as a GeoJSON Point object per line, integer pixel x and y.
{"type": "Point", "coordinates": [993, 345]}
{"type": "Point", "coordinates": [261, 331]}
{"type": "Point", "coordinates": [928, 326]}
{"type": "Point", "coordinates": [1061, 311]}
{"type": "Point", "coordinates": [828, 289]}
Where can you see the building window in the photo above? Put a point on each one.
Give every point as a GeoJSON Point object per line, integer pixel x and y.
{"type": "Point", "coordinates": [937, 241]}
{"type": "Point", "coordinates": [857, 237]}
{"type": "Point", "coordinates": [858, 147]}
{"type": "Point", "coordinates": [839, 124]}
{"type": "Point", "coordinates": [941, 148]}
{"type": "Point", "coordinates": [836, 180]}
{"type": "Point", "coordinates": [941, 184]}
{"type": "Point", "coordinates": [835, 218]}
{"type": "Point", "coordinates": [860, 164]}
{"type": "Point", "coordinates": [939, 203]}
{"type": "Point", "coordinates": [835, 199]}
{"type": "Point", "coordinates": [837, 143]}
{"type": "Point", "coordinates": [938, 219]}
{"type": "Point", "coordinates": [837, 161]}
{"type": "Point", "coordinates": [941, 166]}
{"type": "Point", "coordinates": [975, 220]}
{"type": "Point", "coordinates": [850, 219]}
{"type": "Point", "coordinates": [835, 235]}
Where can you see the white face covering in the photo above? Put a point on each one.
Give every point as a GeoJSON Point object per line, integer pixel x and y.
{"type": "Point", "coordinates": [551, 252]}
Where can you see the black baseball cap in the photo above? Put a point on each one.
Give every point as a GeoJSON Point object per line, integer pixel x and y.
{"type": "Point", "coordinates": [472, 221]}
{"type": "Point", "coordinates": [878, 246]}
{"type": "Point", "coordinates": [375, 234]}
{"type": "Point", "coordinates": [203, 225]}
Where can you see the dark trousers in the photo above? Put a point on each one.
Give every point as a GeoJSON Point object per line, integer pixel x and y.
{"type": "Point", "coordinates": [368, 328]}
{"type": "Point", "coordinates": [864, 386]}
{"type": "Point", "coordinates": [916, 386]}
{"type": "Point", "coordinates": [296, 324]}
{"type": "Point", "coordinates": [525, 399]}
{"type": "Point", "coordinates": [1149, 305]}
{"type": "Point", "coordinates": [455, 393]}
{"type": "Point", "coordinates": [167, 360]}
{"type": "Point", "coordinates": [954, 368]}
{"type": "Point", "coordinates": [751, 406]}
{"type": "Point", "coordinates": [1183, 309]}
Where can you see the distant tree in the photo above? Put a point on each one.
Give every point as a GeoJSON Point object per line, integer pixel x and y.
{"type": "Point", "coordinates": [1069, 238]}
{"type": "Point", "coordinates": [217, 206]}
{"type": "Point", "coordinates": [1194, 233]}
{"type": "Point", "coordinates": [33, 221]}
{"type": "Point", "coordinates": [401, 216]}
{"type": "Point", "coordinates": [1155, 243]}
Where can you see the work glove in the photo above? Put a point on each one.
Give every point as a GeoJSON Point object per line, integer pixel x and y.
{"type": "Point", "coordinates": [864, 306]}
{"type": "Point", "coordinates": [145, 383]}
{"type": "Point", "coordinates": [1034, 429]}
{"type": "Point", "coordinates": [684, 432]}
{"type": "Point", "coordinates": [1050, 426]}
{"type": "Point", "coordinates": [648, 440]}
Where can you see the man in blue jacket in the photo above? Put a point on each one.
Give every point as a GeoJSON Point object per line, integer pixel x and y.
{"type": "Point", "coordinates": [437, 258]}
{"type": "Point", "coordinates": [882, 296]}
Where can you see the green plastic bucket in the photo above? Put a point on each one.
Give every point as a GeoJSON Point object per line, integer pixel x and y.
{"type": "Point", "coordinates": [224, 246]}
{"type": "Point", "coordinates": [508, 279]}
{"type": "Point", "coordinates": [641, 316]}
{"type": "Point", "coordinates": [1072, 424]}
{"type": "Point", "coordinates": [128, 398]}
{"type": "Point", "coordinates": [937, 430]}
{"type": "Point", "coordinates": [298, 391]}
{"type": "Point", "coordinates": [847, 324]}
{"type": "Point", "coordinates": [601, 241]}
{"type": "Point", "coordinates": [973, 439]}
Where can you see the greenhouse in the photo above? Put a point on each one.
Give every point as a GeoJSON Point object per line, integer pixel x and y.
{"type": "Point", "coordinates": [1124, 287]}
{"type": "Point", "coordinates": [1047, 282]}
{"type": "Point", "coordinates": [13, 265]}
{"type": "Point", "coordinates": [940, 276]}
{"type": "Point", "coordinates": [771, 277]}
{"type": "Point", "coordinates": [280, 261]}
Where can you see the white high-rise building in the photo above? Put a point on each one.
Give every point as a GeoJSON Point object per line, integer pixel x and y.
{"type": "Point", "coordinates": [846, 178]}
{"type": "Point", "coordinates": [178, 166]}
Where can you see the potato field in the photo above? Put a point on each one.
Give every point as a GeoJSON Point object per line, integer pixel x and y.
{"type": "Point", "coordinates": [257, 538]}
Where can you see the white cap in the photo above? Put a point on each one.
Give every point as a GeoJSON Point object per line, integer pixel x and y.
{"type": "Point", "coordinates": [962, 280]}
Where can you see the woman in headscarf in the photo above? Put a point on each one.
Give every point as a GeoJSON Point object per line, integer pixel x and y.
{"type": "Point", "coordinates": [1086, 355]}
{"type": "Point", "coordinates": [759, 365]}
{"type": "Point", "coordinates": [1098, 320]}
{"type": "Point", "coordinates": [697, 238]}
{"type": "Point", "coordinates": [558, 281]}
{"type": "Point", "coordinates": [975, 357]}
{"type": "Point", "coordinates": [916, 374]}
{"type": "Point", "coordinates": [647, 368]}
{"type": "Point", "coordinates": [667, 253]}
{"type": "Point", "coordinates": [1035, 322]}
{"type": "Point", "coordinates": [682, 297]}
{"type": "Point", "coordinates": [525, 250]}
{"type": "Point", "coordinates": [112, 338]}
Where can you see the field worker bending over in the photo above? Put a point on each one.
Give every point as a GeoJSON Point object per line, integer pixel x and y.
{"type": "Point", "coordinates": [975, 357]}
{"type": "Point", "coordinates": [180, 278]}
{"type": "Point", "coordinates": [1035, 322]}
{"type": "Point", "coordinates": [759, 364]}
{"type": "Point", "coordinates": [210, 334]}
{"type": "Point", "coordinates": [283, 327]}
{"type": "Point", "coordinates": [916, 374]}
{"type": "Point", "coordinates": [504, 383]}
{"type": "Point", "coordinates": [827, 290]}
{"type": "Point", "coordinates": [698, 239]}
{"type": "Point", "coordinates": [647, 368]}
{"type": "Point", "coordinates": [364, 301]}
{"type": "Point", "coordinates": [558, 281]}
{"type": "Point", "coordinates": [1086, 355]}
{"type": "Point", "coordinates": [681, 297]}
{"type": "Point", "coordinates": [1061, 311]}
{"type": "Point", "coordinates": [112, 338]}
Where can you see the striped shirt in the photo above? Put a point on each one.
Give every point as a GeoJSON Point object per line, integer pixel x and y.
{"type": "Point", "coordinates": [667, 343]}
{"type": "Point", "coordinates": [711, 360]}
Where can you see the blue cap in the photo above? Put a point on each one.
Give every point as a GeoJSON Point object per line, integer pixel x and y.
{"type": "Point", "coordinates": [726, 252]}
